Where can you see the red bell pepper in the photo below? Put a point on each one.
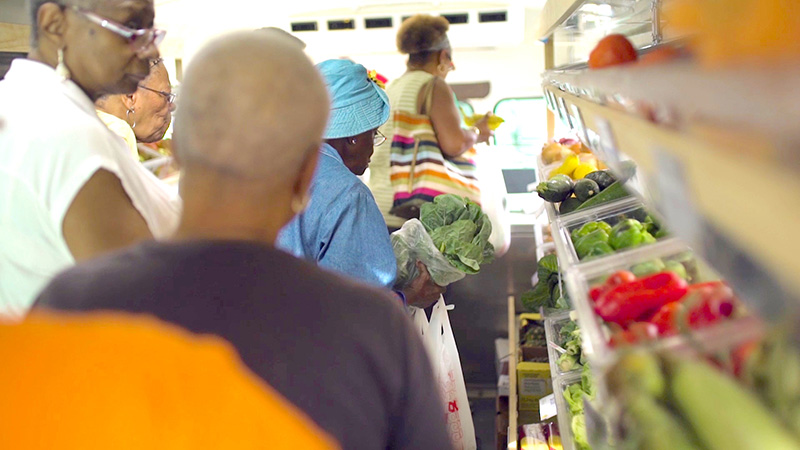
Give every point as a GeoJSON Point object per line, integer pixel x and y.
{"type": "Point", "coordinates": [708, 303]}
{"type": "Point", "coordinates": [616, 278]}
{"type": "Point", "coordinates": [627, 302]}
{"type": "Point", "coordinates": [666, 318]}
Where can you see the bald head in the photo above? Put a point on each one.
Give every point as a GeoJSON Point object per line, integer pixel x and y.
{"type": "Point", "coordinates": [252, 105]}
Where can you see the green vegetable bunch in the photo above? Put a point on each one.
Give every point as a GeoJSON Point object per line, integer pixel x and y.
{"type": "Point", "coordinates": [547, 293]}
{"type": "Point", "coordinates": [460, 230]}
{"type": "Point", "coordinates": [573, 358]}
{"type": "Point", "coordinates": [574, 397]}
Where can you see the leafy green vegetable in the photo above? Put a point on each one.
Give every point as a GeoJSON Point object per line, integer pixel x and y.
{"type": "Point", "coordinates": [536, 298]}
{"type": "Point", "coordinates": [567, 362]}
{"type": "Point", "coordinates": [579, 432]}
{"type": "Point", "coordinates": [460, 230]}
{"type": "Point", "coordinates": [574, 397]}
{"type": "Point", "coordinates": [547, 265]}
{"type": "Point", "coordinates": [547, 293]}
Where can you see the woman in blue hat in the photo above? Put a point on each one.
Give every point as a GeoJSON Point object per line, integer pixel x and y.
{"type": "Point", "coordinates": [342, 228]}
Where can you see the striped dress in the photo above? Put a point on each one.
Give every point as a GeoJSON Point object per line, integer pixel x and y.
{"type": "Point", "coordinates": [403, 93]}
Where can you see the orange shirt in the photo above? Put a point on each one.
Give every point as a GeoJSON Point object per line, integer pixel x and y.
{"type": "Point", "coordinates": [103, 381]}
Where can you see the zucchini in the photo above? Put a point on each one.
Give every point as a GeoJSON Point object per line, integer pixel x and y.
{"type": "Point", "coordinates": [585, 189]}
{"type": "Point", "coordinates": [569, 205]}
{"type": "Point", "coordinates": [603, 178]}
{"type": "Point", "coordinates": [614, 192]}
{"type": "Point", "coordinates": [555, 190]}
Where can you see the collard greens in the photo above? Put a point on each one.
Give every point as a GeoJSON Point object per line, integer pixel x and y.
{"type": "Point", "coordinates": [460, 230]}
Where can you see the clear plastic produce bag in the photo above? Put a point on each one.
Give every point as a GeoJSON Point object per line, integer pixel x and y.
{"type": "Point", "coordinates": [411, 244]}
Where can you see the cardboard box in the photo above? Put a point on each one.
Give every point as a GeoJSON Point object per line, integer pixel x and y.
{"type": "Point", "coordinates": [533, 378]}
{"type": "Point", "coordinates": [533, 383]}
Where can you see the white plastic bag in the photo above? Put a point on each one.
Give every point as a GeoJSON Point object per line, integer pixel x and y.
{"type": "Point", "coordinates": [493, 201]}
{"type": "Point", "coordinates": [441, 345]}
{"type": "Point", "coordinates": [412, 243]}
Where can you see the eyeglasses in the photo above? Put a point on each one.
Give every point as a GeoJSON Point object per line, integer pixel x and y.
{"type": "Point", "coordinates": [169, 96]}
{"type": "Point", "coordinates": [379, 138]}
{"type": "Point", "coordinates": [139, 40]}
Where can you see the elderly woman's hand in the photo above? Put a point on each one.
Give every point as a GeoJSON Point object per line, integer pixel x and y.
{"type": "Point", "coordinates": [422, 292]}
{"type": "Point", "coordinates": [483, 128]}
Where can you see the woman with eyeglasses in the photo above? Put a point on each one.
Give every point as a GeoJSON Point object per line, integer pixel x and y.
{"type": "Point", "coordinates": [430, 59]}
{"type": "Point", "coordinates": [144, 115]}
{"type": "Point", "coordinates": [69, 190]}
{"type": "Point", "coordinates": [341, 229]}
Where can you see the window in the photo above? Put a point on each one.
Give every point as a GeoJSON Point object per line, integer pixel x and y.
{"type": "Point", "coordinates": [456, 18]}
{"type": "Point", "coordinates": [525, 122]}
{"type": "Point", "coordinates": [346, 24]}
{"type": "Point", "coordinates": [499, 16]}
{"type": "Point", "coordinates": [382, 22]}
{"type": "Point", "coordinates": [304, 26]}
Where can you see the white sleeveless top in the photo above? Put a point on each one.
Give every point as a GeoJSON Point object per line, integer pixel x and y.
{"type": "Point", "coordinates": [51, 143]}
{"type": "Point", "coordinates": [403, 93]}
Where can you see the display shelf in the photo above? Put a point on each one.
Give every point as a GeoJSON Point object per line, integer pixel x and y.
{"type": "Point", "coordinates": [684, 94]}
{"type": "Point", "coordinates": [576, 25]}
{"type": "Point", "coordinates": [735, 204]}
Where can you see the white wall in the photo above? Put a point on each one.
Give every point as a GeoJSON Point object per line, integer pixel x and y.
{"type": "Point", "coordinates": [513, 67]}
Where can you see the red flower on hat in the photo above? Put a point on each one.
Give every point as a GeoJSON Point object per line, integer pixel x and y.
{"type": "Point", "coordinates": [377, 78]}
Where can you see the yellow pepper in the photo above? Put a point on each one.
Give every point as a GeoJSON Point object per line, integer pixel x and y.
{"type": "Point", "coordinates": [567, 167]}
{"type": "Point", "coordinates": [582, 170]}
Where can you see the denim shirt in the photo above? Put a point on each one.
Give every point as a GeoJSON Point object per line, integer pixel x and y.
{"type": "Point", "coordinates": [342, 228]}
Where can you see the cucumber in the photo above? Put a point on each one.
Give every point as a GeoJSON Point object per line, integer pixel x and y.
{"type": "Point", "coordinates": [614, 192]}
{"type": "Point", "coordinates": [724, 414]}
{"type": "Point", "coordinates": [585, 189]}
{"type": "Point", "coordinates": [555, 190]}
{"type": "Point", "coordinates": [569, 205]}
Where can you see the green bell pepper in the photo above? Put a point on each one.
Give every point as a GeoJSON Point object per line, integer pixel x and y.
{"type": "Point", "coordinates": [588, 228]}
{"type": "Point", "coordinates": [628, 233]}
{"type": "Point", "coordinates": [587, 242]}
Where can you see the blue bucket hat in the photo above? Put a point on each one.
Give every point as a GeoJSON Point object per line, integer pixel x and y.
{"type": "Point", "coordinates": [358, 104]}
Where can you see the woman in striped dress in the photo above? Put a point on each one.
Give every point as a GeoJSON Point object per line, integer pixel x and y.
{"type": "Point", "coordinates": [430, 58]}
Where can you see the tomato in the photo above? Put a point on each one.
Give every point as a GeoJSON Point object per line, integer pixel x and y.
{"type": "Point", "coordinates": [620, 277]}
{"type": "Point", "coordinates": [612, 50]}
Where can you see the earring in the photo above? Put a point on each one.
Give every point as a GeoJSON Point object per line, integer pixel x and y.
{"type": "Point", "coordinates": [299, 206]}
{"type": "Point", "coordinates": [62, 71]}
{"type": "Point", "coordinates": [128, 117]}
{"type": "Point", "coordinates": [352, 141]}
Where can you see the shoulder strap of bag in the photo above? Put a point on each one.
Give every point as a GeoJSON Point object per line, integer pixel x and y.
{"type": "Point", "coordinates": [425, 108]}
